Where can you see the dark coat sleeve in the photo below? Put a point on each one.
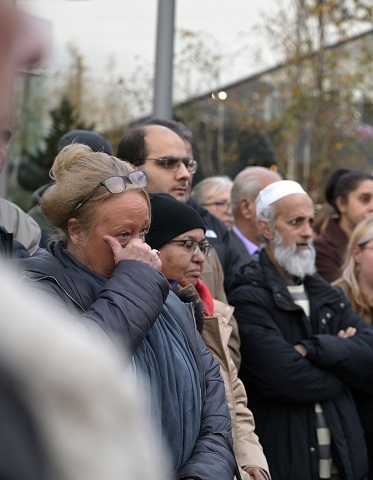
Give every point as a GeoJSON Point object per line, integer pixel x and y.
{"type": "Point", "coordinates": [126, 308]}
{"type": "Point", "coordinates": [212, 458]}
{"type": "Point", "coordinates": [271, 363]}
{"type": "Point", "coordinates": [350, 359]}
{"type": "Point", "coordinates": [130, 302]}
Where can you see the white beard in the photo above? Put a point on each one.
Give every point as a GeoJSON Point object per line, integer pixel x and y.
{"type": "Point", "coordinates": [297, 264]}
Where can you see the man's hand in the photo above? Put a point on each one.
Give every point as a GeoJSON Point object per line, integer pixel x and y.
{"type": "Point", "coordinates": [135, 250]}
{"type": "Point", "coordinates": [349, 332]}
{"type": "Point", "coordinates": [301, 349]}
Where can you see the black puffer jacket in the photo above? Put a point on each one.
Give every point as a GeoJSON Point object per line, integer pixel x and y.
{"type": "Point", "coordinates": [283, 386]}
{"type": "Point", "coordinates": [218, 234]}
{"type": "Point", "coordinates": [155, 327]}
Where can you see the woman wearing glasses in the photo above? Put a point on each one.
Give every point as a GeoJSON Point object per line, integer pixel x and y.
{"type": "Point", "coordinates": [214, 193]}
{"type": "Point", "coordinates": [357, 283]}
{"type": "Point", "coordinates": [178, 231]}
{"type": "Point", "coordinates": [101, 269]}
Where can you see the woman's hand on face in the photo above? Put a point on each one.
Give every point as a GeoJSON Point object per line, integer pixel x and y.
{"type": "Point", "coordinates": [135, 250]}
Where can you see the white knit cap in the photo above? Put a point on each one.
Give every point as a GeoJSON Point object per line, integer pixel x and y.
{"type": "Point", "coordinates": [275, 191]}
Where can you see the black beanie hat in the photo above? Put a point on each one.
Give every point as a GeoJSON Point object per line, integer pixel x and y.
{"type": "Point", "coordinates": [87, 137]}
{"type": "Point", "coordinates": [169, 219]}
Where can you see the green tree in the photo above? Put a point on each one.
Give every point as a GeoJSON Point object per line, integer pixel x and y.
{"type": "Point", "coordinates": [319, 88]}
{"type": "Point", "coordinates": [34, 172]}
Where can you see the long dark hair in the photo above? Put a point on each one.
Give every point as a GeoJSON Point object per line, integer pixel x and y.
{"type": "Point", "coordinates": [341, 183]}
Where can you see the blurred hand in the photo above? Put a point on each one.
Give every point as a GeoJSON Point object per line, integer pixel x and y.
{"type": "Point", "coordinates": [349, 332]}
{"type": "Point", "coordinates": [255, 474]}
{"type": "Point", "coordinates": [135, 250]}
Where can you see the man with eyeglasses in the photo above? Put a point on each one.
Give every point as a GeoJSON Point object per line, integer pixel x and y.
{"type": "Point", "coordinates": [163, 149]}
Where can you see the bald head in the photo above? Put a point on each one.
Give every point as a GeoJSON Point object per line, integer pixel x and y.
{"type": "Point", "coordinates": [250, 181]}
{"type": "Point", "coordinates": [246, 187]}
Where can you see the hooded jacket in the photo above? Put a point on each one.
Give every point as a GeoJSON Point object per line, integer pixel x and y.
{"type": "Point", "coordinates": [155, 327]}
{"type": "Point", "coordinates": [284, 386]}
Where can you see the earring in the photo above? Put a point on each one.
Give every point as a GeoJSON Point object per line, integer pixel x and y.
{"type": "Point", "coordinates": [78, 246]}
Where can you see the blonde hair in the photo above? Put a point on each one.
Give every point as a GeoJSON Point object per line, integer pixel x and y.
{"type": "Point", "coordinates": [349, 281]}
{"type": "Point", "coordinates": [76, 171]}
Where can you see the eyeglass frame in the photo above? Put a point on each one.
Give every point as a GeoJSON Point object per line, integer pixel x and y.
{"type": "Point", "coordinates": [197, 246]}
{"type": "Point", "coordinates": [125, 178]}
{"type": "Point", "coordinates": [218, 204]}
{"type": "Point", "coordinates": [193, 167]}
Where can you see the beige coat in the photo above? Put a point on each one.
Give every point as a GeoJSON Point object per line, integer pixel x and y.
{"type": "Point", "coordinates": [213, 277]}
{"type": "Point", "coordinates": [216, 334]}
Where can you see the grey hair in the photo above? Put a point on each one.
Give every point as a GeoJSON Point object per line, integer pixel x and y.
{"type": "Point", "coordinates": [268, 216]}
{"type": "Point", "coordinates": [248, 184]}
{"type": "Point", "coordinates": [203, 188]}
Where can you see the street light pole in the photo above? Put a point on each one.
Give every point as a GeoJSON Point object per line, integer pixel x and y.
{"type": "Point", "coordinates": [162, 102]}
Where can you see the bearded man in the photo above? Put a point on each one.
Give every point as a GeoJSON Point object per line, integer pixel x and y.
{"type": "Point", "coordinates": [302, 348]}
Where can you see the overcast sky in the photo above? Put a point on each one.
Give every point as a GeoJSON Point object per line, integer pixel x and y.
{"type": "Point", "coordinates": [126, 29]}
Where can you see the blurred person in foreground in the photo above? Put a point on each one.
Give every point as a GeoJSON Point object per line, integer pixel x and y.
{"type": "Point", "coordinates": [303, 348]}
{"type": "Point", "coordinates": [20, 47]}
{"type": "Point", "coordinates": [178, 231]}
{"type": "Point", "coordinates": [214, 194]}
{"type": "Point", "coordinates": [68, 410]}
{"type": "Point", "coordinates": [357, 283]}
{"type": "Point", "coordinates": [350, 193]}
{"type": "Point", "coordinates": [245, 189]}
{"type": "Point", "coordinates": [57, 421]}
{"type": "Point", "coordinates": [103, 272]}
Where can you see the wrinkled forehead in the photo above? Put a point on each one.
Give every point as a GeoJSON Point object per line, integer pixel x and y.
{"type": "Point", "coordinates": [295, 205]}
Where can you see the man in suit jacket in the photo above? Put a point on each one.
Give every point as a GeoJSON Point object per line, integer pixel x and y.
{"type": "Point", "coordinates": [246, 186]}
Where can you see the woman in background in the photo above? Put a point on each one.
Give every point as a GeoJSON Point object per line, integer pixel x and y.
{"type": "Point", "coordinates": [350, 193]}
{"type": "Point", "coordinates": [214, 194]}
{"type": "Point", "coordinates": [178, 231]}
{"type": "Point", "coordinates": [357, 283]}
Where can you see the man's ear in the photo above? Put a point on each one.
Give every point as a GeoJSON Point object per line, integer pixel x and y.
{"type": "Point", "coordinates": [265, 229]}
{"type": "Point", "coordinates": [246, 208]}
{"type": "Point", "coordinates": [75, 231]}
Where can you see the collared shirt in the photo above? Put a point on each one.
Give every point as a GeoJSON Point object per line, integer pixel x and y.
{"type": "Point", "coordinates": [250, 246]}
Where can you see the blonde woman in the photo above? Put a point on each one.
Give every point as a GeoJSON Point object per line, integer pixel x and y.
{"type": "Point", "coordinates": [357, 282]}
{"type": "Point", "coordinates": [357, 274]}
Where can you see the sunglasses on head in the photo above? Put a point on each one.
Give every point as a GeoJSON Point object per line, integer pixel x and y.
{"type": "Point", "coordinates": [117, 184]}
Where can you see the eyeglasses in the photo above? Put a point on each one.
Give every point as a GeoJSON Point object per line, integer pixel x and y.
{"type": "Point", "coordinates": [117, 184]}
{"type": "Point", "coordinates": [174, 163]}
{"type": "Point", "coordinates": [221, 204]}
{"type": "Point", "coordinates": [193, 246]}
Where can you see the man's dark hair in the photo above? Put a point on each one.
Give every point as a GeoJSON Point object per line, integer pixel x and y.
{"type": "Point", "coordinates": [132, 146]}
{"type": "Point", "coordinates": [341, 183]}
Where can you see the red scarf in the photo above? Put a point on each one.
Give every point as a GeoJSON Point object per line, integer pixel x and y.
{"type": "Point", "coordinates": [206, 297]}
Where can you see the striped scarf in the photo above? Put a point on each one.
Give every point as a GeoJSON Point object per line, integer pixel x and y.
{"type": "Point", "coordinates": [300, 298]}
